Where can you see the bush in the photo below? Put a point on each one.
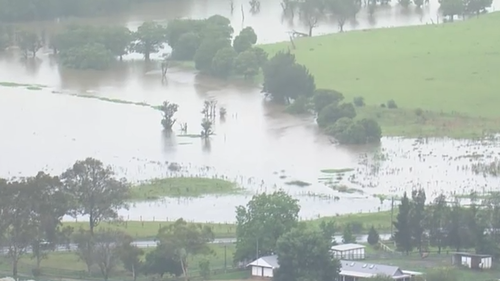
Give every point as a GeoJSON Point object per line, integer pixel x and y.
{"type": "Point", "coordinates": [299, 106]}
{"type": "Point", "coordinates": [186, 47]}
{"type": "Point", "coordinates": [333, 112]}
{"type": "Point", "coordinates": [392, 104]}
{"type": "Point", "coordinates": [338, 127]}
{"type": "Point", "coordinates": [359, 101]}
{"type": "Point", "coordinates": [324, 97]}
{"type": "Point", "coordinates": [359, 132]}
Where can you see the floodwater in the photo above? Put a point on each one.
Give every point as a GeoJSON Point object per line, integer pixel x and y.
{"type": "Point", "coordinates": [256, 145]}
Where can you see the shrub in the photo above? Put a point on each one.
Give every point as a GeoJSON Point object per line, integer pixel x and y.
{"type": "Point", "coordinates": [373, 236]}
{"type": "Point", "coordinates": [330, 114]}
{"type": "Point", "coordinates": [359, 101]}
{"type": "Point", "coordinates": [324, 97]}
{"type": "Point", "coordinates": [419, 112]}
{"type": "Point", "coordinates": [392, 104]}
{"type": "Point", "coordinates": [338, 127]}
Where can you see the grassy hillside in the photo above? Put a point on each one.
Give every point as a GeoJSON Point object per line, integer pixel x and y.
{"type": "Point", "coordinates": [450, 71]}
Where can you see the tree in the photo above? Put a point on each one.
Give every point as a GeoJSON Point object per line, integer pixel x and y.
{"type": "Point", "coordinates": [373, 236]}
{"type": "Point", "coordinates": [305, 255]}
{"type": "Point", "coordinates": [246, 64]}
{"type": "Point", "coordinates": [186, 46]}
{"type": "Point", "coordinates": [88, 56]}
{"type": "Point", "coordinates": [150, 36]}
{"type": "Point", "coordinates": [347, 236]}
{"type": "Point", "coordinates": [417, 216]}
{"type": "Point", "coordinates": [339, 127]}
{"type": "Point", "coordinates": [204, 265]}
{"type": "Point", "coordinates": [402, 236]}
{"type": "Point", "coordinates": [223, 61]}
{"type": "Point", "coordinates": [438, 211]}
{"type": "Point", "coordinates": [343, 10]}
{"type": "Point", "coordinates": [187, 240]}
{"type": "Point", "coordinates": [163, 259]}
{"type": "Point", "coordinates": [310, 12]}
{"type": "Point", "coordinates": [53, 204]}
{"type": "Point", "coordinates": [355, 134]}
{"type": "Point", "coordinates": [404, 3]}
{"type": "Point", "coordinates": [206, 128]}
{"type": "Point", "coordinates": [177, 28]}
{"type": "Point", "coordinates": [372, 129]}
{"type": "Point", "coordinates": [261, 56]}
{"type": "Point", "coordinates": [451, 8]}
{"type": "Point", "coordinates": [259, 225]}
{"type": "Point", "coordinates": [245, 40]}
{"type": "Point", "coordinates": [325, 97]}
{"type": "Point", "coordinates": [85, 248]}
{"type": "Point", "coordinates": [328, 229]}
{"type": "Point", "coordinates": [28, 42]}
{"type": "Point", "coordinates": [168, 109]}
{"type": "Point", "coordinates": [333, 112]}
{"type": "Point", "coordinates": [19, 221]}
{"type": "Point", "coordinates": [117, 39]}
{"type": "Point", "coordinates": [418, 3]}
{"type": "Point", "coordinates": [205, 54]}
{"type": "Point", "coordinates": [95, 190]}
{"type": "Point", "coordinates": [130, 256]}
{"type": "Point", "coordinates": [107, 246]}
{"type": "Point", "coordinates": [284, 79]}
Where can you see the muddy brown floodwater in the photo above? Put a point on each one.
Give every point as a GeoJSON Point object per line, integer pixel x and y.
{"type": "Point", "coordinates": [257, 145]}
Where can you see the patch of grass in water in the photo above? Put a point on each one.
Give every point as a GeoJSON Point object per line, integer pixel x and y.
{"type": "Point", "coordinates": [28, 86]}
{"type": "Point", "coordinates": [194, 136]}
{"type": "Point", "coordinates": [181, 187]}
{"type": "Point", "coordinates": [32, 88]}
{"type": "Point", "coordinates": [298, 183]}
{"type": "Point", "coordinates": [337, 171]}
{"type": "Point", "coordinates": [346, 189]}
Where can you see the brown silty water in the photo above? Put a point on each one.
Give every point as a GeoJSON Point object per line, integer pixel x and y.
{"type": "Point", "coordinates": [257, 145]}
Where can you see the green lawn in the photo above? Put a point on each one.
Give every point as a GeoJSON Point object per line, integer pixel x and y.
{"type": "Point", "coordinates": [181, 187]}
{"type": "Point", "coordinates": [148, 230]}
{"type": "Point", "coordinates": [450, 71]}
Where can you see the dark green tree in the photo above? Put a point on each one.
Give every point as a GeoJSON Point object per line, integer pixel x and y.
{"type": "Point", "coordinates": [259, 225]}
{"type": "Point", "coordinates": [285, 80]}
{"type": "Point", "coordinates": [186, 46]}
{"type": "Point", "coordinates": [223, 61]}
{"type": "Point", "coordinates": [328, 228]}
{"type": "Point", "coordinates": [246, 64]}
{"type": "Point", "coordinates": [452, 8]}
{"type": "Point", "coordinates": [304, 254]}
{"type": "Point", "coordinates": [130, 256]}
{"type": "Point", "coordinates": [333, 112]}
{"type": "Point", "coordinates": [117, 40]}
{"type": "Point", "coordinates": [163, 259]}
{"type": "Point", "coordinates": [437, 214]}
{"type": "Point", "coordinates": [417, 217]}
{"type": "Point", "coordinates": [88, 56]}
{"type": "Point", "coordinates": [347, 235]}
{"type": "Point", "coordinates": [29, 43]}
{"type": "Point", "coordinates": [168, 110]}
{"type": "Point", "coordinates": [403, 235]}
{"type": "Point", "coordinates": [95, 190]}
{"type": "Point", "coordinates": [373, 236]}
{"type": "Point", "coordinates": [150, 38]}
{"type": "Point", "coordinates": [325, 97]}
{"type": "Point", "coordinates": [206, 52]}
{"type": "Point", "coordinates": [245, 40]}
{"type": "Point", "coordinates": [179, 27]}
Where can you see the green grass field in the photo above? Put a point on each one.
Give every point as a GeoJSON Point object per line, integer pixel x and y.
{"type": "Point", "coordinates": [149, 229]}
{"type": "Point", "coordinates": [449, 71]}
{"type": "Point", "coordinates": [181, 187]}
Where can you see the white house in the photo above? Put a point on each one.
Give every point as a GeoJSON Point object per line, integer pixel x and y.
{"type": "Point", "coordinates": [264, 266]}
{"type": "Point", "coordinates": [348, 252]}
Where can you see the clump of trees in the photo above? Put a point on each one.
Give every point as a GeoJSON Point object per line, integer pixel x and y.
{"type": "Point", "coordinates": [447, 224]}
{"type": "Point", "coordinates": [452, 8]}
{"type": "Point", "coordinates": [287, 82]}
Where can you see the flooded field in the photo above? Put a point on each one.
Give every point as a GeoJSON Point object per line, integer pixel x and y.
{"type": "Point", "coordinates": [256, 145]}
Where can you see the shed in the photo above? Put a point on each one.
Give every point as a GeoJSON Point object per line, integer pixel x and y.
{"type": "Point", "coordinates": [264, 266]}
{"type": "Point", "coordinates": [472, 261]}
{"type": "Point", "coordinates": [353, 271]}
{"type": "Point", "coordinates": [348, 252]}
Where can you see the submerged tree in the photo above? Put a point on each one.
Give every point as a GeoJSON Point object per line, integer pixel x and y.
{"type": "Point", "coordinates": [168, 109]}
{"type": "Point", "coordinates": [150, 36]}
{"type": "Point", "coordinates": [206, 126]}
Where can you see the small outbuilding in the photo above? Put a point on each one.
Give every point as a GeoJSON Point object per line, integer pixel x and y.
{"type": "Point", "coordinates": [354, 271]}
{"type": "Point", "coordinates": [348, 252]}
{"type": "Point", "coordinates": [264, 266]}
{"type": "Point", "coordinates": [472, 261]}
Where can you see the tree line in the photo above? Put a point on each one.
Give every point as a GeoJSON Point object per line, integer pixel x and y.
{"type": "Point", "coordinates": [448, 224]}
{"type": "Point", "coordinates": [32, 209]}
{"type": "Point", "coordinates": [35, 10]}
{"type": "Point", "coordinates": [268, 225]}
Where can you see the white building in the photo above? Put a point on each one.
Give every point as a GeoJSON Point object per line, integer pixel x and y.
{"type": "Point", "coordinates": [264, 266]}
{"type": "Point", "coordinates": [348, 252]}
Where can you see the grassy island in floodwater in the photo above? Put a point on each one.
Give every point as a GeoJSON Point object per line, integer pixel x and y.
{"type": "Point", "coordinates": [443, 78]}
{"type": "Point", "coordinates": [181, 187]}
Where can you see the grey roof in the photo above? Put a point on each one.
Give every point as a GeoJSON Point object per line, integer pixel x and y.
{"type": "Point", "coordinates": [376, 269]}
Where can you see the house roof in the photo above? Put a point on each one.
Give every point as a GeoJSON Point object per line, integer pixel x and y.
{"type": "Point", "coordinates": [373, 269]}
{"type": "Point", "coordinates": [267, 261]}
{"type": "Point", "coordinates": [347, 247]}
